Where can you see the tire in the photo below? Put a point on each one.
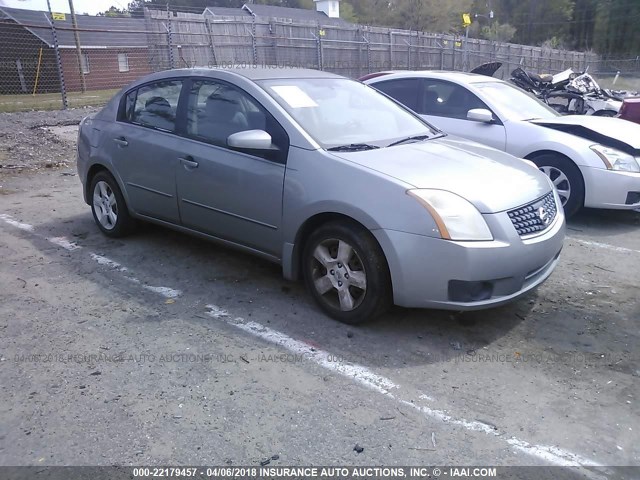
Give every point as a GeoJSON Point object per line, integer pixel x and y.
{"type": "Point", "coordinates": [566, 177]}
{"type": "Point", "coordinates": [359, 289]}
{"type": "Point", "coordinates": [109, 209]}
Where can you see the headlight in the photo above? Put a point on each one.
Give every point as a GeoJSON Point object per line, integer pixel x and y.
{"type": "Point", "coordinates": [457, 219]}
{"type": "Point", "coordinates": [615, 159]}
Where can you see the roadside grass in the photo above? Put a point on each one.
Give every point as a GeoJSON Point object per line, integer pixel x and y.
{"type": "Point", "coordinates": [623, 83]}
{"type": "Point", "coordinates": [53, 101]}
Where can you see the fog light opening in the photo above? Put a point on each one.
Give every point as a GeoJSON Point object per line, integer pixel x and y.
{"type": "Point", "coordinates": [463, 291]}
{"type": "Point", "coordinates": [632, 198]}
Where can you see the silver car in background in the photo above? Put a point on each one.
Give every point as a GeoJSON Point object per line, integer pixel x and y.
{"type": "Point", "coordinates": [328, 178]}
{"type": "Point", "coordinates": [593, 161]}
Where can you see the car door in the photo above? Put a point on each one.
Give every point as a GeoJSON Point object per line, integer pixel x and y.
{"type": "Point", "coordinates": [143, 150]}
{"type": "Point", "coordinates": [446, 105]}
{"type": "Point", "coordinates": [231, 194]}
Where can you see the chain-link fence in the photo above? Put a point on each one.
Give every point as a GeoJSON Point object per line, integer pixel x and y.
{"type": "Point", "coordinates": [50, 61]}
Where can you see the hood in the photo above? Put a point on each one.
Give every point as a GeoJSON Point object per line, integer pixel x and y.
{"type": "Point", "coordinates": [487, 69]}
{"type": "Point", "coordinates": [491, 180]}
{"type": "Point", "coordinates": [611, 132]}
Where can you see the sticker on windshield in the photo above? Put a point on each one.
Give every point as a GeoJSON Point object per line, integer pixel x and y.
{"type": "Point", "coordinates": [294, 96]}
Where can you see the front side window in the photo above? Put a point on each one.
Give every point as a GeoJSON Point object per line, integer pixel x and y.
{"type": "Point", "coordinates": [155, 105]}
{"type": "Point", "coordinates": [338, 112]}
{"type": "Point", "coordinates": [216, 110]}
{"type": "Point", "coordinates": [446, 99]}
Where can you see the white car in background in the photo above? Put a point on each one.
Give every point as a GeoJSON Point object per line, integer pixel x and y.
{"type": "Point", "coordinates": [593, 161]}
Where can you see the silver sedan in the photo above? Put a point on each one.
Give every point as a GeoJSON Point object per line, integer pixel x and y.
{"type": "Point", "coordinates": [328, 178]}
{"type": "Point", "coordinates": [593, 161]}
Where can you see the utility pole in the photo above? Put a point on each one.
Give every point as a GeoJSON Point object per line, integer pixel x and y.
{"type": "Point", "coordinates": [76, 35]}
{"type": "Point", "coordinates": [63, 90]}
{"type": "Point", "coordinates": [466, 22]}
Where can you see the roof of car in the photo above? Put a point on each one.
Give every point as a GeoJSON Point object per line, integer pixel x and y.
{"type": "Point", "coordinates": [264, 72]}
{"type": "Point", "coordinates": [462, 77]}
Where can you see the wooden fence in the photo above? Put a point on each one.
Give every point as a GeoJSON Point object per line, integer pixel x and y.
{"type": "Point", "coordinates": [190, 40]}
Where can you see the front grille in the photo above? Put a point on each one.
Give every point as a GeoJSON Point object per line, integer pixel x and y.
{"type": "Point", "coordinates": [534, 217]}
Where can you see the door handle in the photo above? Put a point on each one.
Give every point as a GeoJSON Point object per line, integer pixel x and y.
{"type": "Point", "coordinates": [188, 162]}
{"type": "Point", "coordinates": [121, 141]}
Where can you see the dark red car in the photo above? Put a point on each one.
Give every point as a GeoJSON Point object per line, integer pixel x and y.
{"type": "Point", "coordinates": [630, 109]}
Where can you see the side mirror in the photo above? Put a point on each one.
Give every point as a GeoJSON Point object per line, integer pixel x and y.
{"type": "Point", "coordinates": [250, 140]}
{"type": "Point", "coordinates": [480, 115]}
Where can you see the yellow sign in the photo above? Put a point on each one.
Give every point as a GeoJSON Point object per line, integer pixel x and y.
{"type": "Point", "coordinates": [59, 16]}
{"type": "Point", "coordinates": [322, 32]}
{"type": "Point", "coordinates": [466, 19]}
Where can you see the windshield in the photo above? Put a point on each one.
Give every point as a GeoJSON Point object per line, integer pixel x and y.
{"type": "Point", "coordinates": [513, 102]}
{"type": "Point", "coordinates": [338, 111]}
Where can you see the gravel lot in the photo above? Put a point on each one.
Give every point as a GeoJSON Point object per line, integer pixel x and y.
{"type": "Point", "coordinates": [28, 140]}
{"type": "Point", "coordinates": [164, 349]}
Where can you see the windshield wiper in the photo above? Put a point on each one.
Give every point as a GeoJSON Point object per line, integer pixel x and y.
{"type": "Point", "coordinates": [415, 138]}
{"type": "Point", "coordinates": [352, 147]}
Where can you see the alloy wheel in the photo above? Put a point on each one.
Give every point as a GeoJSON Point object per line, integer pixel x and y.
{"type": "Point", "coordinates": [338, 274]}
{"type": "Point", "coordinates": [105, 205]}
{"type": "Point", "coordinates": [561, 182]}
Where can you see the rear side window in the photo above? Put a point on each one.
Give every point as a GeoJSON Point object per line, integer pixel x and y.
{"type": "Point", "coordinates": [154, 105]}
{"type": "Point", "coordinates": [404, 90]}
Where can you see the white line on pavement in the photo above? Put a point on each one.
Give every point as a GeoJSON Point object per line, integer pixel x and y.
{"type": "Point", "coordinates": [606, 246]}
{"type": "Point", "coordinates": [383, 385]}
{"type": "Point", "coordinates": [108, 262]}
{"type": "Point", "coordinates": [63, 242]}
{"type": "Point", "coordinates": [216, 312]}
{"type": "Point", "coordinates": [15, 223]}
{"type": "Point", "coordinates": [358, 373]}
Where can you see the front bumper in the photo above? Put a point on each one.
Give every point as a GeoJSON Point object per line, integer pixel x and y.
{"type": "Point", "coordinates": [611, 188]}
{"type": "Point", "coordinates": [422, 268]}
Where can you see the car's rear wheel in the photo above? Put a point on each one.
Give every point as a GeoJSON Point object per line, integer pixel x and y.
{"type": "Point", "coordinates": [346, 272]}
{"type": "Point", "coordinates": [567, 179]}
{"type": "Point", "coordinates": [108, 206]}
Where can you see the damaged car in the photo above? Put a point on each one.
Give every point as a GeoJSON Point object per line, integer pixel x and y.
{"type": "Point", "coordinates": [592, 161]}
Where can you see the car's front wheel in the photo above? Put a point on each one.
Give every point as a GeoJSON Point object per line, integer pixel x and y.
{"type": "Point", "coordinates": [108, 206]}
{"type": "Point", "coordinates": [567, 179]}
{"type": "Point", "coordinates": [346, 272]}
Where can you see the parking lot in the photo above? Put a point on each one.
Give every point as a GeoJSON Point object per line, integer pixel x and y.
{"type": "Point", "coordinates": [163, 349]}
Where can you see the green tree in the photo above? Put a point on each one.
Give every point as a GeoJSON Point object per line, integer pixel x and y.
{"type": "Point", "coordinates": [616, 27]}
{"type": "Point", "coordinates": [114, 12]}
{"type": "Point", "coordinates": [373, 12]}
{"type": "Point", "coordinates": [499, 32]}
{"type": "Point", "coordinates": [582, 24]}
{"type": "Point", "coordinates": [534, 20]}
{"type": "Point", "coordinates": [431, 15]}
